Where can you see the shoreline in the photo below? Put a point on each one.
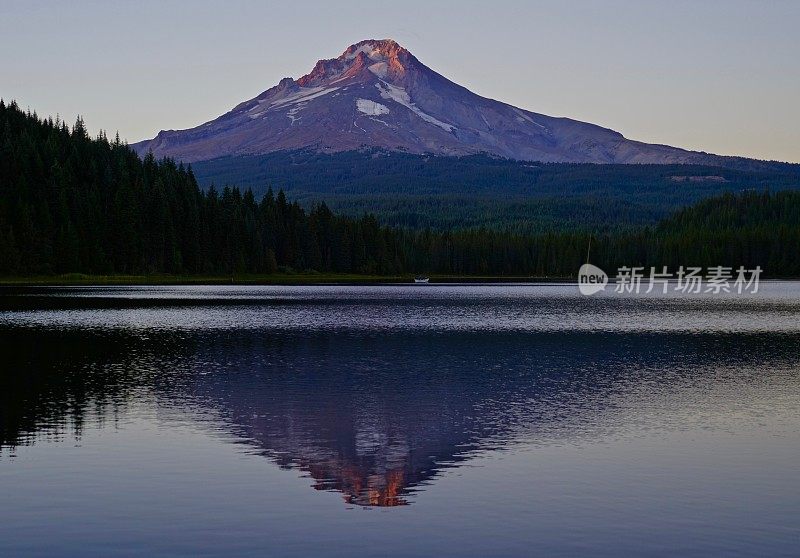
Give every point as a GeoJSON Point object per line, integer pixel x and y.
{"type": "Point", "coordinates": [288, 279]}
{"type": "Point", "coordinates": [279, 279]}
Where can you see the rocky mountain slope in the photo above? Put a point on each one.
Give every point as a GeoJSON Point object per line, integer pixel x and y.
{"type": "Point", "coordinates": [379, 95]}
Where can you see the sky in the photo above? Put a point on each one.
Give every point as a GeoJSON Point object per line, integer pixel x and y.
{"type": "Point", "coordinates": [718, 76]}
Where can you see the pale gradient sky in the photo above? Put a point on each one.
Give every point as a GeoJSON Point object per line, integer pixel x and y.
{"type": "Point", "coordinates": [719, 76]}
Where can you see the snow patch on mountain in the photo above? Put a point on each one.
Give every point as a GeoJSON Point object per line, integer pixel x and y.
{"type": "Point", "coordinates": [379, 69]}
{"type": "Point", "coordinates": [371, 108]}
{"type": "Point", "coordinates": [400, 95]}
{"type": "Point", "coordinates": [524, 117]}
{"type": "Point", "coordinates": [372, 52]}
{"type": "Point", "coordinates": [292, 112]}
{"type": "Point", "coordinates": [305, 94]}
{"type": "Point", "coordinates": [300, 97]}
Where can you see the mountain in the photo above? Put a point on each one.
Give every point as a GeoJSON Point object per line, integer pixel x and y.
{"type": "Point", "coordinates": [379, 95]}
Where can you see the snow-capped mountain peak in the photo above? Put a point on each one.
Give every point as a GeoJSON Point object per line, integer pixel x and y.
{"type": "Point", "coordinates": [377, 94]}
{"type": "Point", "coordinates": [382, 58]}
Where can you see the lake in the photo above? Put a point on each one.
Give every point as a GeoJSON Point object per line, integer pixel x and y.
{"type": "Point", "coordinates": [398, 420]}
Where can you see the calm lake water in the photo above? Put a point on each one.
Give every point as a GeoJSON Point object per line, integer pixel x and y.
{"type": "Point", "coordinates": [506, 420]}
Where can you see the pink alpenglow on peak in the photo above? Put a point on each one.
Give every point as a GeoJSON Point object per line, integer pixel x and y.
{"type": "Point", "coordinates": [377, 94]}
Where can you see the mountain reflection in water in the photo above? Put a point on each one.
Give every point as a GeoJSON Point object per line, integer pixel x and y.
{"type": "Point", "coordinates": [376, 416]}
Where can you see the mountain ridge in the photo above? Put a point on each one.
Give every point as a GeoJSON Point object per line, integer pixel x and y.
{"type": "Point", "coordinates": [377, 94]}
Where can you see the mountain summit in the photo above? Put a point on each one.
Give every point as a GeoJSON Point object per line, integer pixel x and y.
{"type": "Point", "coordinates": [378, 95]}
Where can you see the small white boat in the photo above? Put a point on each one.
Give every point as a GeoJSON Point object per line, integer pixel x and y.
{"type": "Point", "coordinates": [421, 279]}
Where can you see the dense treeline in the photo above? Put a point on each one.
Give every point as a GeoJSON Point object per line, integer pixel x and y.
{"type": "Point", "coordinates": [447, 193]}
{"type": "Point", "coordinates": [748, 229]}
{"type": "Point", "coordinates": [70, 203]}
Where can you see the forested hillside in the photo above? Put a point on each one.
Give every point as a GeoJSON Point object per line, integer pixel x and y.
{"type": "Point", "coordinates": [71, 203]}
{"type": "Point", "coordinates": [447, 193]}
